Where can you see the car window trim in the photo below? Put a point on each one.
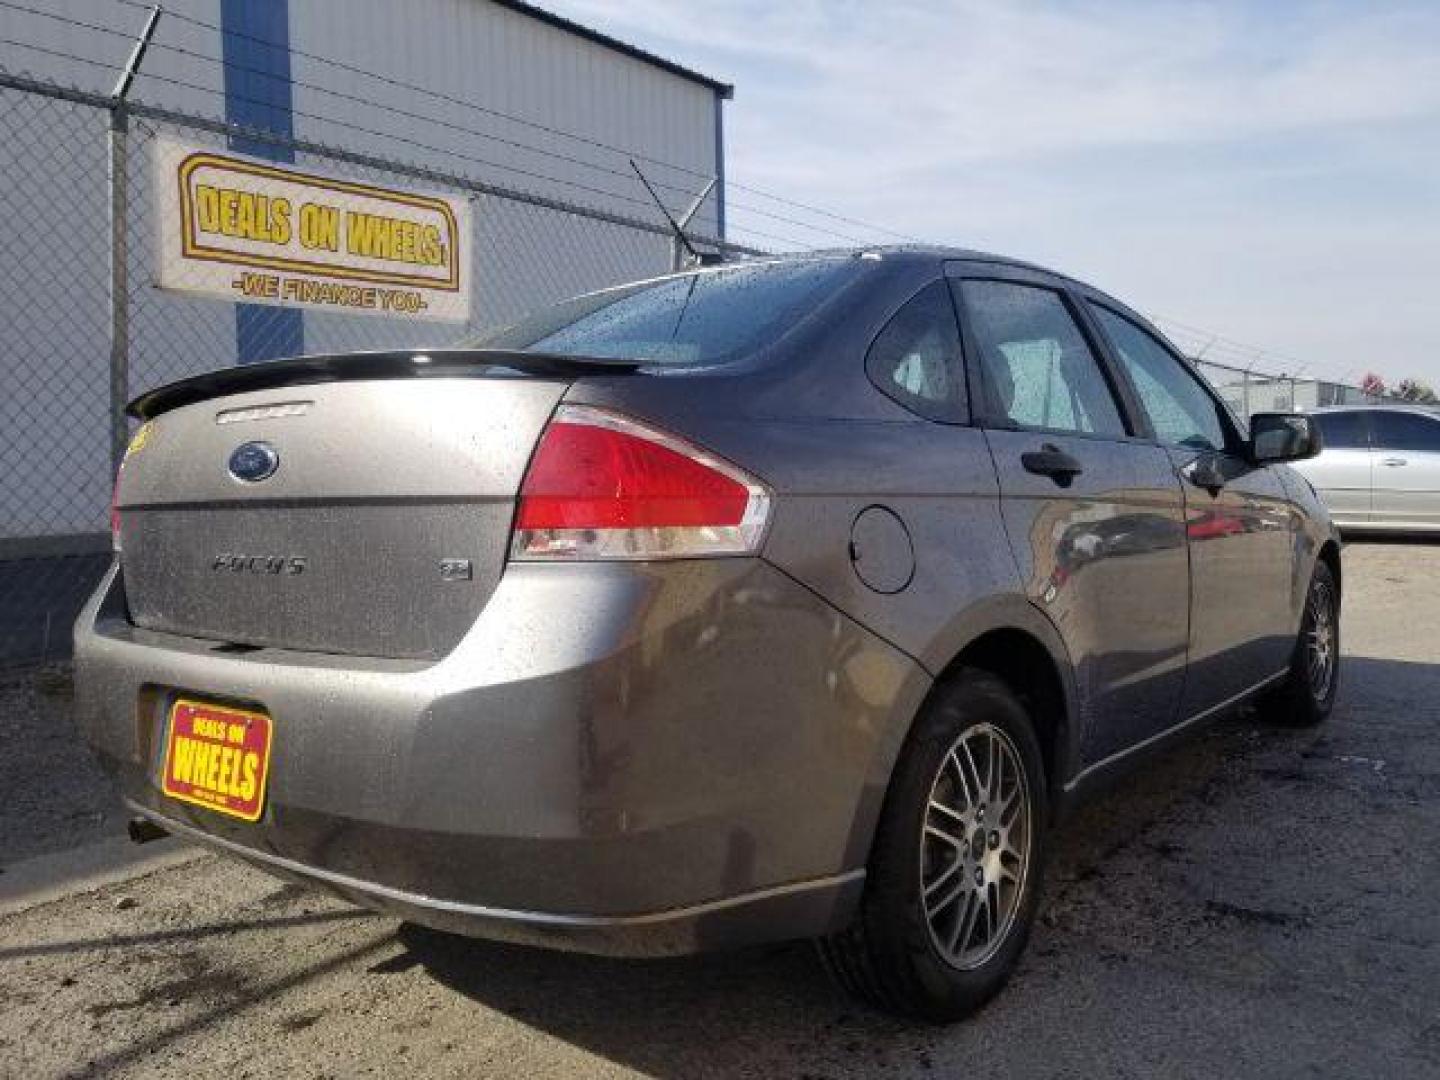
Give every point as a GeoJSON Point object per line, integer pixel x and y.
{"type": "Point", "coordinates": [1235, 439]}
{"type": "Point", "coordinates": [965, 409]}
{"type": "Point", "coordinates": [1110, 357]}
{"type": "Point", "coordinates": [983, 409]}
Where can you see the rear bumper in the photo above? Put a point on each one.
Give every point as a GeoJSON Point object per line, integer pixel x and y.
{"type": "Point", "coordinates": [799, 909]}
{"type": "Point", "coordinates": [630, 759]}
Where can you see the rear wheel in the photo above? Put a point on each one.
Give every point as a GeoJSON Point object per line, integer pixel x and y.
{"type": "Point", "coordinates": [955, 870]}
{"type": "Point", "coordinates": [1309, 691]}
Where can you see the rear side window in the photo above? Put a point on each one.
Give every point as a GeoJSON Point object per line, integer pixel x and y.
{"type": "Point", "coordinates": [916, 359]}
{"type": "Point", "coordinates": [1181, 411]}
{"type": "Point", "coordinates": [1342, 430]}
{"type": "Point", "coordinates": [708, 317]}
{"type": "Point", "coordinates": [1037, 366]}
{"type": "Point", "coordinates": [1405, 431]}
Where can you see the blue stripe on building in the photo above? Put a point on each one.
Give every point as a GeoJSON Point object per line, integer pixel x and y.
{"type": "Point", "coordinates": [255, 45]}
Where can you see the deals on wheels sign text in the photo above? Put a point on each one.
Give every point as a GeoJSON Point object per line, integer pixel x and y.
{"type": "Point", "coordinates": [242, 229]}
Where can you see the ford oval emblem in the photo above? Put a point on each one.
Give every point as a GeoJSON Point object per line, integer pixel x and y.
{"type": "Point", "coordinates": [253, 462]}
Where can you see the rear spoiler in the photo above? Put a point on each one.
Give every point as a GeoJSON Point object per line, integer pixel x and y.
{"type": "Point", "coordinates": [345, 367]}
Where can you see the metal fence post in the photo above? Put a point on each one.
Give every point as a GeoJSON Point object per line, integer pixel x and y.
{"type": "Point", "coordinates": [119, 285]}
{"type": "Point", "coordinates": [119, 178]}
{"type": "Point", "coordinates": [677, 255]}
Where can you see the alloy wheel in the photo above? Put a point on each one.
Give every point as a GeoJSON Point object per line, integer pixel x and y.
{"type": "Point", "coordinates": [975, 846]}
{"type": "Point", "coordinates": [1320, 640]}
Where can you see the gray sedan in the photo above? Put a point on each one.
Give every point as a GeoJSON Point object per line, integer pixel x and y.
{"type": "Point", "coordinates": [1380, 468]}
{"type": "Point", "coordinates": [793, 598]}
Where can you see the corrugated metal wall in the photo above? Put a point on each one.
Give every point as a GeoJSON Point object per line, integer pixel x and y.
{"type": "Point", "coordinates": [488, 55]}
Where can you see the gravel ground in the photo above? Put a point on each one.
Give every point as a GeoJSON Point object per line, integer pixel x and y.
{"type": "Point", "coordinates": [1258, 902]}
{"type": "Point", "coordinates": [55, 796]}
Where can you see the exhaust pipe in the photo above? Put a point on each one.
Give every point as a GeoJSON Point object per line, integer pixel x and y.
{"type": "Point", "coordinates": [143, 830]}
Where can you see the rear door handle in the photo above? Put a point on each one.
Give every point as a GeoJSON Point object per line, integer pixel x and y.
{"type": "Point", "coordinates": [1394, 461]}
{"type": "Point", "coordinates": [1053, 462]}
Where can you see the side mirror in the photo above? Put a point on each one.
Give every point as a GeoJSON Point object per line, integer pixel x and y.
{"type": "Point", "coordinates": [1283, 437]}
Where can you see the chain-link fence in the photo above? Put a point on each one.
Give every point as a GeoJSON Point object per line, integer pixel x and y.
{"type": "Point", "coordinates": [84, 335]}
{"type": "Point", "coordinates": [1248, 391]}
{"type": "Point", "coordinates": [55, 403]}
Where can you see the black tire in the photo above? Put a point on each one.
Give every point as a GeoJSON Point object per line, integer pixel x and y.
{"type": "Point", "coordinates": [1300, 702]}
{"type": "Point", "coordinates": [890, 956]}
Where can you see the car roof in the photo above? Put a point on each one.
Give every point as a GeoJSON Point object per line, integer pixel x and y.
{"type": "Point", "coordinates": [929, 253]}
{"type": "Point", "coordinates": [941, 253]}
{"type": "Point", "coordinates": [1380, 406]}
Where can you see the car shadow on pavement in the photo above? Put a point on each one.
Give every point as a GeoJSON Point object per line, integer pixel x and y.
{"type": "Point", "coordinates": [660, 1017]}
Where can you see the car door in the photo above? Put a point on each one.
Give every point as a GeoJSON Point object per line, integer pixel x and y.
{"type": "Point", "coordinates": [1405, 447]}
{"type": "Point", "coordinates": [1342, 472]}
{"type": "Point", "coordinates": [1239, 522]}
{"type": "Point", "coordinates": [1094, 514]}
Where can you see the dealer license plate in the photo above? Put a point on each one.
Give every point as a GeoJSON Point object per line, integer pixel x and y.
{"type": "Point", "coordinates": [217, 756]}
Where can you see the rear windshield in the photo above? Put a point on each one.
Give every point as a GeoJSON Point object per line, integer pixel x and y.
{"type": "Point", "coordinates": [708, 317]}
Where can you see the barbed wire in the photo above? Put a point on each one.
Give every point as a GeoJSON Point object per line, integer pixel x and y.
{"type": "Point", "coordinates": [790, 243]}
{"type": "Point", "coordinates": [73, 57]}
{"type": "Point", "coordinates": [535, 125]}
{"type": "Point", "coordinates": [408, 114]}
{"type": "Point", "coordinates": [1220, 343]}
{"type": "Point", "coordinates": [732, 205]}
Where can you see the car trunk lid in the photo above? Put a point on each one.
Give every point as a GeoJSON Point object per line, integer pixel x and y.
{"type": "Point", "coordinates": [384, 526]}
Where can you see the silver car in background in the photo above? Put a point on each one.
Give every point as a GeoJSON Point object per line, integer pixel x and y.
{"type": "Point", "coordinates": [1379, 469]}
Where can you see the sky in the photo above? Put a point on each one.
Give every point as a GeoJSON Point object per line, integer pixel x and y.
{"type": "Point", "coordinates": [1267, 173]}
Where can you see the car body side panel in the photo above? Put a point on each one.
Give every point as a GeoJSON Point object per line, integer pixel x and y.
{"type": "Point", "coordinates": [1311, 529]}
{"type": "Point", "coordinates": [1406, 493]}
{"type": "Point", "coordinates": [1242, 565]}
{"type": "Point", "coordinates": [1343, 477]}
{"type": "Point", "coordinates": [938, 481]}
{"type": "Point", "coordinates": [1105, 559]}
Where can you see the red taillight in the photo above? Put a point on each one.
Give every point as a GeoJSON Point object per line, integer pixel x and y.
{"type": "Point", "coordinates": [586, 477]}
{"type": "Point", "coordinates": [602, 486]}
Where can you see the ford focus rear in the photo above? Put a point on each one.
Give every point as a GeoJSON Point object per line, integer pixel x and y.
{"type": "Point", "coordinates": [752, 603]}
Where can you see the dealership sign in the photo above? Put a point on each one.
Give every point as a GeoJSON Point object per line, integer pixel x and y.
{"type": "Point", "coordinates": [242, 229]}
